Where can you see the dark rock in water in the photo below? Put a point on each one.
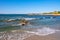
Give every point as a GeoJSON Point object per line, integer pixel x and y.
{"type": "Point", "coordinates": [24, 22]}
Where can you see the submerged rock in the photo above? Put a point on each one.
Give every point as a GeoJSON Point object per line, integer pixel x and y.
{"type": "Point", "coordinates": [24, 22]}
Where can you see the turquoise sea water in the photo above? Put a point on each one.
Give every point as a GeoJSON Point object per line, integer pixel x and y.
{"type": "Point", "coordinates": [36, 21]}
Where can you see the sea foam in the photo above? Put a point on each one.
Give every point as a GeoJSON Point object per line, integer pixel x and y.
{"type": "Point", "coordinates": [29, 18]}
{"type": "Point", "coordinates": [43, 31]}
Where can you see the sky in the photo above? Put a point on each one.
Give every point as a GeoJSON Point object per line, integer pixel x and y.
{"type": "Point", "coordinates": [28, 6]}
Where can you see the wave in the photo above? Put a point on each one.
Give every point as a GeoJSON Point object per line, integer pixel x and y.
{"type": "Point", "coordinates": [21, 18]}
{"type": "Point", "coordinates": [44, 31]}
{"type": "Point", "coordinates": [11, 19]}
{"type": "Point", "coordinates": [29, 18]}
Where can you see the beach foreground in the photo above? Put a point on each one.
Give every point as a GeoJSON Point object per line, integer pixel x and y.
{"type": "Point", "coordinates": [23, 35]}
{"type": "Point", "coordinates": [55, 36]}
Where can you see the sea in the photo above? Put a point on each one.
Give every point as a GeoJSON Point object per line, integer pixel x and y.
{"type": "Point", "coordinates": [36, 21]}
{"type": "Point", "coordinates": [39, 24]}
{"type": "Point", "coordinates": [40, 20]}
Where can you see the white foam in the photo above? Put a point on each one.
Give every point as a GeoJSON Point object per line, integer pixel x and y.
{"type": "Point", "coordinates": [29, 18]}
{"type": "Point", "coordinates": [11, 19]}
{"type": "Point", "coordinates": [16, 25]}
{"type": "Point", "coordinates": [44, 31]}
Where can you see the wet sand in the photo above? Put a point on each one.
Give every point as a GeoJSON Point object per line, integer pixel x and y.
{"type": "Point", "coordinates": [55, 36]}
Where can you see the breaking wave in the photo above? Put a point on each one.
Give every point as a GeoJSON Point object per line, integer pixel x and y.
{"type": "Point", "coordinates": [29, 18]}
{"type": "Point", "coordinates": [20, 18]}
{"type": "Point", "coordinates": [44, 31]}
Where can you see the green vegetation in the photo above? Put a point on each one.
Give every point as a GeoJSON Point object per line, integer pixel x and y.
{"type": "Point", "coordinates": [59, 12]}
{"type": "Point", "coordinates": [45, 13]}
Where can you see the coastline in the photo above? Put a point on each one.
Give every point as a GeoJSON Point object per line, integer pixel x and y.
{"type": "Point", "coordinates": [23, 35]}
{"type": "Point", "coordinates": [55, 36]}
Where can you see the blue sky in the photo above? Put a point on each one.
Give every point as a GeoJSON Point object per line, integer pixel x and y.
{"type": "Point", "coordinates": [28, 6]}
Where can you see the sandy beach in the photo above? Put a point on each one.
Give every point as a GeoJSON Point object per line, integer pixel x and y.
{"type": "Point", "coordinates": [55, 36]}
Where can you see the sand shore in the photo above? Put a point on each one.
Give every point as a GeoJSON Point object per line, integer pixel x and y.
{"type": "Point", "coordinates": [55, 36]}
